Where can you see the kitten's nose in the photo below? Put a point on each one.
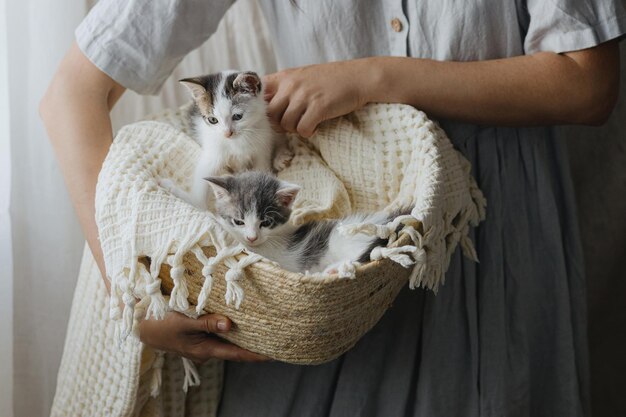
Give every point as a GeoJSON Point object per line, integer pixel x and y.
{"type": "Point", "coordinates": [251, 239]}
{"type": "Point", "coordinates": [228, 133]}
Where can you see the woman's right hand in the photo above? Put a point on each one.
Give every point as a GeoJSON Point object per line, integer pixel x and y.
{"type": "Point", "coordinates": [194, 339]}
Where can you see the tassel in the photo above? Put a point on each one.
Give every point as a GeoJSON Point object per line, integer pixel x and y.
{"type": "Point", "coordinates": [115, 312]}
{"type": "Point", "coordinates": [234, 293]}
{"type": "Point", "coordinates": [127, 315]}
{"type": "Point", "coordinates": [480, 202]}
{"type": "Point", "coordinates": [415, 277]}
{"type": "Point", "coordinates": [157, 307]}
{"type": "Point", "coordinates": [468, 248]}
{"type": "Point", "coordinates": [415, 236]}
{"type": "Point", "coordinates": [180, 292]}
{"type": "Point", "coordinates": [398, 255]}
{"type": "Point", "coordinates": [207, 273]}
{"type": "Point", "coordinates": [205, 291]}
{"type": "Point", "coordinates": [192, 377]}
{"type": "Point", "coordinates": [157, 372]}
{"type": "Point", "coordinates": [420, 256]}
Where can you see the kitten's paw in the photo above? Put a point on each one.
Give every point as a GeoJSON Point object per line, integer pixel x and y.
{"type": "Point", "coordinates": [345, 269]}
{"type": "Point", "coordinates": [282, 159]}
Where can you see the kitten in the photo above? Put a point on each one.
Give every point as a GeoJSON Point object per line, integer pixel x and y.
{"type": "Point", "coordinates": [255, 208]}
{"type": "Point", "coordinates": [229, 121]}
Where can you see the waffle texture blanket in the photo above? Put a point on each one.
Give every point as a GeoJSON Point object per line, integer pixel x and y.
{"type": "Point", "coordinates": [381, 157]}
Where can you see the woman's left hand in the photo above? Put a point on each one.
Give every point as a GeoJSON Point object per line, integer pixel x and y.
{"type": "Point", "coordinates": [299, 99]}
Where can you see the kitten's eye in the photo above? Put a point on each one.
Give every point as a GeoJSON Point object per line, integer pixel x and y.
{"type": "Point", "coordinates": [238, 222]}
{"type": "Point", "coordinates": [237, 116]}
{"type": "Point", "coordinates": [212, 120]}
{"type": "Point", "coordinates": [266, 223]}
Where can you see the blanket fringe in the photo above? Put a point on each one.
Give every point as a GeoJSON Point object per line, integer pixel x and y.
{"type": "Point", "coordinates": [234, 293]}
{"type": "Point", "coordinates": [115, 300]}
{"type": "Point", "coordinates": [157, 306]}
{"type": "Point", "coordinates": [398, 255]}
{"type": "Point", "coordinates": [157, 371]}
{"type": "Point", "coordinates": [180, 292]}
{"type": "Point", "coordinates": [192, 377]}
{"type": "Point", "coordinates": [207, 273]}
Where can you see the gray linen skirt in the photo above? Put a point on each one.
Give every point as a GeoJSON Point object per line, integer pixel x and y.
{"type": "Point", "coordinates": [504, 337]}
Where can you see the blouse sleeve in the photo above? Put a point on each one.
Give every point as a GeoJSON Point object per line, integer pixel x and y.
{"type": "Point", "coordinates": [570, 25]}
{"type": "Point", "coordinates": [139, 42]}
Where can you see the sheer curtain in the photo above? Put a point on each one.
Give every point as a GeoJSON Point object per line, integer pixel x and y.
{"type": "Point", "coordinates": [6, 258]}
{"type": "Point", "coordinates": [40, 240]}
{"type": "Point", "coordinates": [44, 241]}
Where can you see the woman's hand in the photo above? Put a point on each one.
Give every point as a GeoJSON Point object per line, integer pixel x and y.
{"type": "Point", "coordinates": [578, 87]}
{"type": "Point", "coordinates": [194, 338]}
{"type": "Point", "coordinates": [299, 99]}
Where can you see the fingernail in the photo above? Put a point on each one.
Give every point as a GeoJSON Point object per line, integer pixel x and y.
{"type": "Point", "coordinates": [222, 325]}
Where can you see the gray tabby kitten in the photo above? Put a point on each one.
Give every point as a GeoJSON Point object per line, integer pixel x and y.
{"type": "Point", "coordinates": [229, 121]}
{"type": "Point", "coordinates": [255, 207]}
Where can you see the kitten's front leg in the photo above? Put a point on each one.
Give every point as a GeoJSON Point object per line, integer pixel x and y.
{"type": "Point", "coordinates": [261, 162]}
{"type": "Point", "coordinates": [345, 269]}
{"type": "Point", "coordinates": [201, 195]}
{"type": "Point", "coordinates": [174, 189]}
{"type": "Point", "coordinates": [282, 155]}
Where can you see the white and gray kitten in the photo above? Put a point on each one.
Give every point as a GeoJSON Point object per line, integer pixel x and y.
{"type": "Point", "coordinates": [229, 121]}
{"type": "Point", "coordinates": [255, 208]}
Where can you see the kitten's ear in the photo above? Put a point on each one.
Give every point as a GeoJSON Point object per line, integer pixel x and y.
{"type": "Point", "coordinates": [219, 185]}
{"type": "Point", "coordinates": [248, 83]}
{"type": "Point", "coordinates": [287, 193]}
{"type": "Point", "coordinates": [195, 86]}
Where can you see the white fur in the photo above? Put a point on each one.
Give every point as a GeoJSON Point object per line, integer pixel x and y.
{"type": "Point", "coordinates": [344, 248]}
{"type": "Point", "coordinates": [276, 244]}
{"type": "Point", "coordinates": [251, 146]}
{"type": "Point", "coordinates": [273, 243]}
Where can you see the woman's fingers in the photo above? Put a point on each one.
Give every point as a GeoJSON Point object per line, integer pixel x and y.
{"type": "Point", "coordinates": [215, 348]}
{"type": "Point", "coordinates": [270, 83]}
{"type": "Point", "coordinates": [207, 346]}
{"type": "Point", "coordinates": [276, 108]}
{"type": "Point", "coordinates": [291, 116]}
{"type": "Point", "coordinates": [211, 323]}
{"type": "Point", "coordinates": [299, 99]}
{"type": "Point", "coordinates": [194, 338]}
{"type": "Point", "coordinates": [309, 121]}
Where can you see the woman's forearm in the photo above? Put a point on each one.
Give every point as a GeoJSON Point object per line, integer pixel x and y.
{"type": "Point", "coordinates": [541, 89]}
{"type": "Point", "coordinates": [544, 88]}
{"type": "Point", "coordinates": [75, 111]}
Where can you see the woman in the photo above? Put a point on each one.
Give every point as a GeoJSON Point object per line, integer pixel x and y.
{"type": "Point", "coordinates": [506, 337]}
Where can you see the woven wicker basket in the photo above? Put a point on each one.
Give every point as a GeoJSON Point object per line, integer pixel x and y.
{"type": "Point", "coordinates": [381, 156]}
{"type": "Point", "coordinates": [295, 318]}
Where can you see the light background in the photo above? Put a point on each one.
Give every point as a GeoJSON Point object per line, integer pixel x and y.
{"type": "Point", "coordinates": [41, 243]}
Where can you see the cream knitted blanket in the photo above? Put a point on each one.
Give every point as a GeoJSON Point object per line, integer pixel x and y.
{"type": "Point", "coordinates": [383, 156]}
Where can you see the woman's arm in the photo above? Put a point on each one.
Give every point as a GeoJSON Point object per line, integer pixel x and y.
{"type": "Point", "coordinates": [541, 89]}
{"type": "Point", "coordinates": [75, 110]}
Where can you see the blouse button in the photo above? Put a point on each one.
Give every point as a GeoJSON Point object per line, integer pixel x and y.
{"type": "Point", "coordinates": [396, 24]}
